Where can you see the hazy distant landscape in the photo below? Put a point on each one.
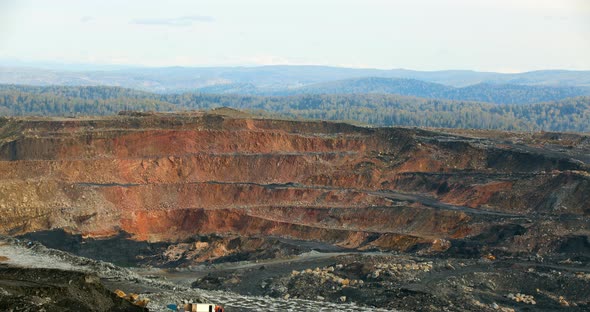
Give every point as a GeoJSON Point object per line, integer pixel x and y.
{"type": "Point", "coordinates": [543, 100]}
{"type": "Point", "coordinates": [275, 79]}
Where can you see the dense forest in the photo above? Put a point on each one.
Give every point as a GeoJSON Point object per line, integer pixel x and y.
{"type": "Point", "coordinates": [482, 92]}
{"type": "Point", "coordinates": [572, 114]}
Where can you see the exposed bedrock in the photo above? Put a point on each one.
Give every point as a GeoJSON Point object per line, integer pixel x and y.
{"type": "Point", "coordinates": [168, 178]}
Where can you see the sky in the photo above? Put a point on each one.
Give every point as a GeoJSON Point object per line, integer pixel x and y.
{"type": "Point", "coordinates": [483, 35]}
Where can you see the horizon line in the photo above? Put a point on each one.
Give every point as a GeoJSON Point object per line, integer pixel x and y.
{"type": "Point", "coordinates": [71, 66]}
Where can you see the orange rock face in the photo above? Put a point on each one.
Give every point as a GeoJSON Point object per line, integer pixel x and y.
{"type": "Point", "coordinates": [166, 178]}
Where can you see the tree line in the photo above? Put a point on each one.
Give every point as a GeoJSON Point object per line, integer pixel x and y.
{"type": "Point", "coordinates": [572, 114]}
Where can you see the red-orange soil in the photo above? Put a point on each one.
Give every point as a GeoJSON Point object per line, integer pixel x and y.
{"type": "Point", "coordinates": [169, 177]}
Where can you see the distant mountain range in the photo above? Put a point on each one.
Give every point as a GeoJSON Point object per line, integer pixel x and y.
{"type": "Point", "coordinates": [481, 92]}
{"type": "Point", "coordinates": [522, 88]}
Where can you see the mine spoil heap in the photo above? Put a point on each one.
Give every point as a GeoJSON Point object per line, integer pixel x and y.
{"type": "Point", "coordinates": [165, 178]}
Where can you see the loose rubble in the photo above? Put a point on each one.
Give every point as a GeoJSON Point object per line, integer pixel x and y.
{"type": "Point", "coordinates": [415, 284]}
{"type": "Point", "coordinates": [522, 298]}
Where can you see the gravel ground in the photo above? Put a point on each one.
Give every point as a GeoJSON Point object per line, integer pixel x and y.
{"type": "Point", "coordinates": [24, 254]}
{"type": "Point", "coordinates": [314, 281]}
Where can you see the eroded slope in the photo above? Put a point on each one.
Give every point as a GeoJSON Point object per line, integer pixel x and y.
{"type": "Point", "coordinates": [173, 177]}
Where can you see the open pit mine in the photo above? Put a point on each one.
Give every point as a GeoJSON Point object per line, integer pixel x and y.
{"type": "Point", "coordinates": [339, 215]}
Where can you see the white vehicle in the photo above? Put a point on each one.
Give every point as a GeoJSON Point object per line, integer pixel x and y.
{"type": "Point", "coordinates": [202, 307]}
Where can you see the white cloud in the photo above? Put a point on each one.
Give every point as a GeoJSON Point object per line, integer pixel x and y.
{"type": "Point", "coordinates": [86, 19]}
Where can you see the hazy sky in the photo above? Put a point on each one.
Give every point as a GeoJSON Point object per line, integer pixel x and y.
{"type": "Point", "coordinates": [493, 35]}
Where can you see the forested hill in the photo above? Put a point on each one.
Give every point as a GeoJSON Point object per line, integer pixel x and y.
{"type": "Point", "coordinates": [270, 78]}
{"type": "Point", "coordinates": [571, 114]}
{"type": "Point", "coordinates": [492, 93]}
{"type": "Point", "coordinates": [64, 100]}
{"type": "Point", "coordinates": [483, 92]}
{"type": "Point", "coordinates": [461, 85]}
{"type": "Point", "coordinates": [88, 92]}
